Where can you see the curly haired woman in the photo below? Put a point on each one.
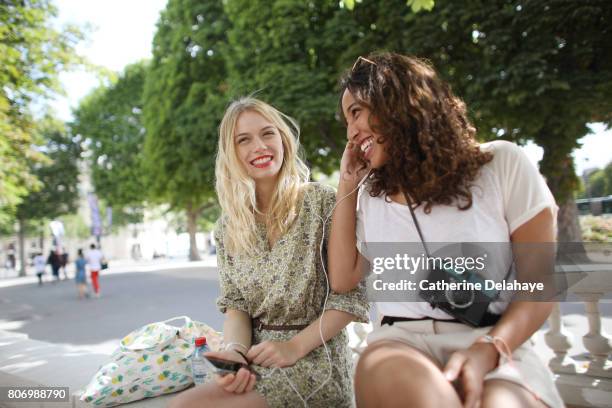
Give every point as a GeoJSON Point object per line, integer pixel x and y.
{"type": "Point", "coordinates": [425, 178]}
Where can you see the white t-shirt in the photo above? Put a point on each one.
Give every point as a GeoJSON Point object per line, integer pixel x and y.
{"type": "Point", "coordinates": [507, 193]}
{"type": "Point", "coordinates": [94, 259]}
{"type": "Point", "coordinates": [40, 263]}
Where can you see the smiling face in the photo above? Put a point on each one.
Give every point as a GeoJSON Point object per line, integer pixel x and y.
{"type": "Point", "coordinates": [259, 146]}
{"type": "Point", "coordinates": [358, 131]}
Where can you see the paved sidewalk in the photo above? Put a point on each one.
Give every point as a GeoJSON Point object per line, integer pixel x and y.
{"type": "Point", "coordinates": [10, 277]}
{"type": "Point", "coordinates": [43, 328]}
{"type": "Point", "coordinates": [132, 296]}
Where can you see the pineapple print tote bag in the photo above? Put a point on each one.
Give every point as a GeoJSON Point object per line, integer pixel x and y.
{"type": "Point", "coordinates": [150, 361]}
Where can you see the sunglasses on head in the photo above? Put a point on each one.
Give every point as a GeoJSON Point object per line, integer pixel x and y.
{"type": "Point", "coordinates": [360, 59]}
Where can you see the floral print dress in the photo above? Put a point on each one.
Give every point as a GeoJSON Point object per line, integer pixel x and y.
{"type": "Point", "coordinates": [286, 285]}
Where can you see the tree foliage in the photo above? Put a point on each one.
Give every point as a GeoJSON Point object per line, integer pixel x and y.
{"type": "Point", "coordinates": [530, 70]}
{"type": "Point", "coordinates": [32, 53]}
{"type": "Point", "coordinates": [415, 5]}
{"type": "Point", "coordinates": [110, 121]}
{"type": "Point", "coordinates": [59, 178]}
{"type": "Point", "coordinates": [599, 183]}
{"type": "Point", "coordinates": [184, 100]}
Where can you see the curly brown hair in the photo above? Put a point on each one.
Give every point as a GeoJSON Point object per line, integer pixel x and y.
{"type": "Point", "coordinates": [433, 155]}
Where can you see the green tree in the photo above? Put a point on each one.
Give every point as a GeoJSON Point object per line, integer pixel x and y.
{"type": "Point", "coordinates": [415, 5]}
{"type": "Point", "coordinates": [110, 121]}
{"type": "Point", "coordinates": [32, 53]}
{"type": "Point", "coordinates": [529, 70]}
{"type": "Point", "coordinates": [58, 194]}
{"type": "Point", "coordinates": [184, 100]}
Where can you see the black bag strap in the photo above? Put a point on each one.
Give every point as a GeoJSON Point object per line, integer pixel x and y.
{"type": "Point", "coordinates": [418, 227]}
{"type": "Point", "coordinates": [416, 223]}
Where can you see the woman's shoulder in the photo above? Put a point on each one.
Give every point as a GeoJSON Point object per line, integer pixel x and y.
{"type": "Point", "coordinates": [219, 226]}
{"type": "Point", "coordinates": [502, 150]}
{"type": "Point", "coordinates": [316, 192]}
{"type": "Point", "coordinates": [366, 199]}
{"type": "Point", "coordinates": [319, 188]}
{"type": "Point", "coordinates": [508, 157]}
{"type": "Point", "coordinates": [318, 197]}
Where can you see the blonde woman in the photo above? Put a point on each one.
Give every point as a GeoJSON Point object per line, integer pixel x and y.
{"type": "Point", "coordinates": [274, 292]}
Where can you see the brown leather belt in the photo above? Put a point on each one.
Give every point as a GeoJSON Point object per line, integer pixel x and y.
{"type": "Point", "coordinates": [259, 325]}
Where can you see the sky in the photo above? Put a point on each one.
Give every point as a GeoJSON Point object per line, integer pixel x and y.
{"type": "Point", "coordinates": [122, 34]}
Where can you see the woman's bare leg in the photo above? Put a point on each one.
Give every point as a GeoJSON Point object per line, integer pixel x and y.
{"type": "Point", "coordinates": [393, 374]}
{"type": "Point", "coordinates": [506, 394]}
{"type": "Point", "coordinates": [211, 395]}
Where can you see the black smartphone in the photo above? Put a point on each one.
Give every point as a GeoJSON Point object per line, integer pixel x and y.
{"type": "Point", "coordinates": [224, 367]}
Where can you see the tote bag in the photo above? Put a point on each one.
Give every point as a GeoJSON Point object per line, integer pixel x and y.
{"type": "Point", "coordinates": [150, 361]}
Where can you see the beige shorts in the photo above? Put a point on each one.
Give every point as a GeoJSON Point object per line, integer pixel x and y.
{"type": "Point", "coordinates": [439, 340]}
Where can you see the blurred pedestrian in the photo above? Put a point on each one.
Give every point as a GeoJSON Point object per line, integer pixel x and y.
{"type": "Point", "coordinates": [80, 276]}
{"type": "Point", "coordinates": [40, 263]}
{"type": "Point", "coordinates": [11, 260]}
{"type": "Point", "coordinates": [64, 258]}
{"type": "Point", "coordinates": [94, 260]}
{"type": "Point", "coordinates": [55, 260]}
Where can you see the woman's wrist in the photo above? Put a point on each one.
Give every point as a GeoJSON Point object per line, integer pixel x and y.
{"type": "Point", "coordinates": [235, 355]}
{"type": "Point", "coordinates": [234, 345]}
{"type": "Point", "coordinates": [489, 352]}
{"type": "Point", "coordinates": [238, 348]}
{"type": "Point", "coordinates": [347, 186]}
{"type": "Point", "coordinates": [297, 347]}
{"type": "Point", "coordinates": [487, 345]}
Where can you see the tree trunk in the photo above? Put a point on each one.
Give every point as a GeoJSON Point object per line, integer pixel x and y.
{"type": "Point", "coordinates": [557, 166]}
{"type": "Point", "coordinates": [192, 228]}
{"type": "Point", "coordinates": [22, 256]}
{"type": "Point", "coordinates": [568, 224]}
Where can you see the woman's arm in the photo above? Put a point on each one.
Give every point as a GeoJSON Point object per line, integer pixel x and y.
{"type": "Point", "coordinates": [518, 323]}
{"type": "Point", "coordinates": [343, 257]}
{"type": "Point", "coordinates": [521, 319]}
{"type": "Point", "coordinates": [345, 264]}
{"type": "Point", "coordinates": [237, 329]}
{"type": "Point", "coordinates": [284, 354]}
{"type": "Point", "coordinates": [236, 333]}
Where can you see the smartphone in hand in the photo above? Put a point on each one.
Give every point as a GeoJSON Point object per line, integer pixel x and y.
{"type": "Point", "coordinates": [223, 367]}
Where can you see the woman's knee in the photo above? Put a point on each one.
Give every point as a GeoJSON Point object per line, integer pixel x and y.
{"type": "Point", "coordinates": [393, 372]}
{"type": "Point", "coordinates": [500, 393]}
{"type": "Point", "coordinates": [390, 365]}
{"type": "Point", "coordinates": [193, 398]}
{"type": "Point", "coordinates": [211, 395]}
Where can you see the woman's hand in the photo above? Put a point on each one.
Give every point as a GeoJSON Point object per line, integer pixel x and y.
{"type": "Point", "coordinates": [352, 167]}
{"type": "Point", "coordinates": [238, 383]}
{"type": "Point", "coordinates": [274, 354]}
{"type": "Point", "coordinates": [471, 366]}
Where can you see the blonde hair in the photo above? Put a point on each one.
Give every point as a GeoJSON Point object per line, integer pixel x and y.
{"type": "Point", "coordinates": [236, 190]}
